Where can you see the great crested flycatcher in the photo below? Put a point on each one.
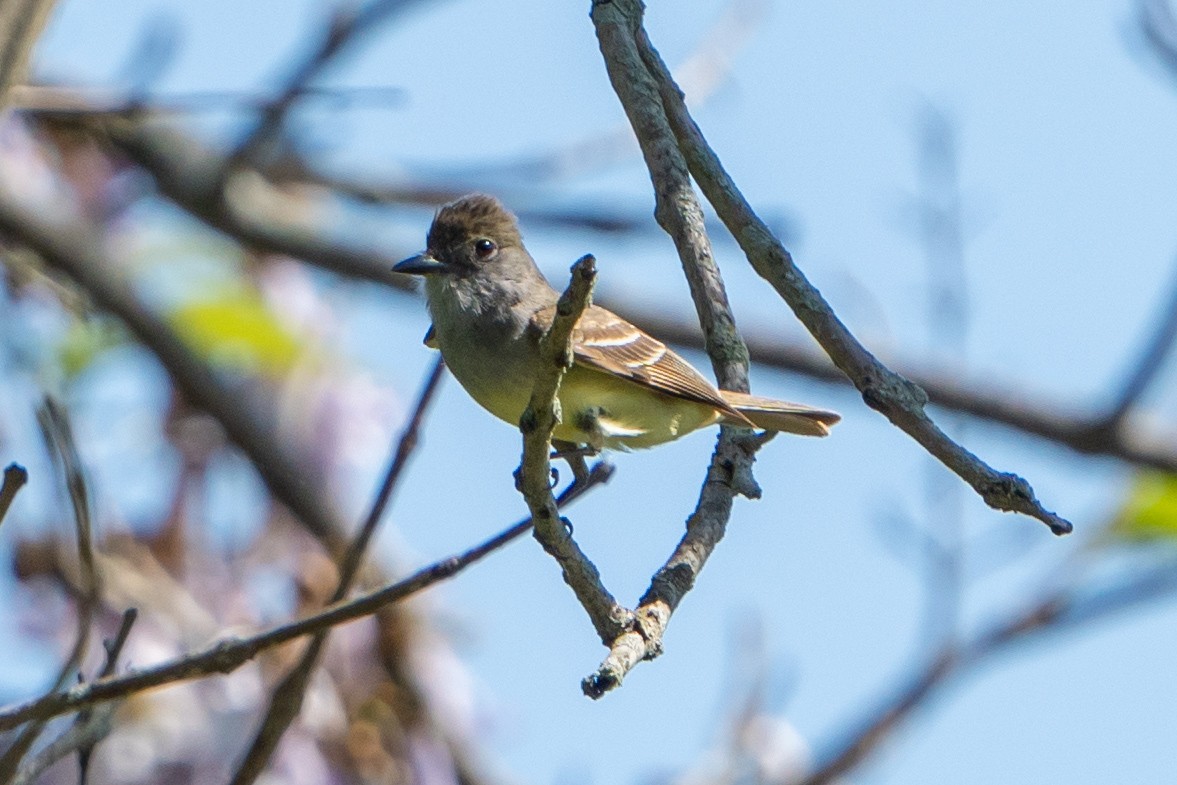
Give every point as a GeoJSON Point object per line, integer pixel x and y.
{"type": "Point", "coordinates": [491, 305]}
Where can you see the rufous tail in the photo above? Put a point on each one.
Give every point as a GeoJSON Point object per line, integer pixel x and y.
{"type": "Point", "coordinates": [770, 414]}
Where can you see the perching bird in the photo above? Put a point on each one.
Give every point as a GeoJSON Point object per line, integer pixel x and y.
{"type": "Point", "coordinates": [491, 305]}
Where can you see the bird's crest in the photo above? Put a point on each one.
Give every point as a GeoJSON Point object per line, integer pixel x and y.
{"type": "Point", "coordinates": [477, 215]}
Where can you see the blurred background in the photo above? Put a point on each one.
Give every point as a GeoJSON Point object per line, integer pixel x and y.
{"type": "Point", "coordinates": [986, 194]}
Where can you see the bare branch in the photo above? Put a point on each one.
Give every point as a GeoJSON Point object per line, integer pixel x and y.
{"type": "Point", "coordinates": [79, 737]}
{"type": "Point", "coordinates": [1056, 611]}
{"type": "Point", "coordinates": [245, 206]}
{"type": "Point", "coordinates": [348, 25]}
{"type": "Point", "coordinates": [15, 477]}
{"type": "Point", "coordinates": [286, 700]}
{"type": "Point", "coordinates": [539, 418]}
{"type": "Point", "coordinates": [901, 401]}
{"type": "Point", "coordinates": [75, 250]}
{"type": "Point", "coordinates": [61, 102]}
{"type": "Point", "coordinates": [87, 719]}
{"type": "Point", "coordinates": [228, 654]}
{"type": "Point", "coordinates": [21, 23]}
{"type": "Point", "coordinates": [680, 215]}
{"type": "Point", "coordinates": [1159, 28]}
{"type": "Point", "coordinates": [181, 166]}
{"type": "Point", "coordinates": [1150, 363]}
{"type": "Point", "coordinates": [59, 437]}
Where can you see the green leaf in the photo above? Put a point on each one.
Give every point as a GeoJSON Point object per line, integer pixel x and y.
{"type": "Point", "coordinates": [1150, 512]}
{"type": "Point", "coordinates": [236, 328]}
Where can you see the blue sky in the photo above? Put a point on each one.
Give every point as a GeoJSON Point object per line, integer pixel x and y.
{"type": "Point", "coordinates": [1067, 171]}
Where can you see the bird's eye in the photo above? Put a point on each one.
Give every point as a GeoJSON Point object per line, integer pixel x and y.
{"type": "Point", "coordinates": [485, 248]}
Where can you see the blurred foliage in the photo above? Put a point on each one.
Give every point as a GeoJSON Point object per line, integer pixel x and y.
{"type": "Point", "coordinates": [85, 339]}
{"type": "Point", "coordinates": [236, 328]}
{"type": "Point", "coordinates": [1149, 514]}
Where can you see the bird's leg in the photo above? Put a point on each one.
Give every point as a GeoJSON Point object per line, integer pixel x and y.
{"type": "Point", "coordinates": [575, 455]}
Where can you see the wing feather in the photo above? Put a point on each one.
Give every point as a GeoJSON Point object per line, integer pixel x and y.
{"type": "Point", "coordinates": [606, 342]}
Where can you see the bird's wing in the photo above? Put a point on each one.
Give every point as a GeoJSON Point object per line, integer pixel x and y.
{"type": "Point", "coordinates": [605, 342]}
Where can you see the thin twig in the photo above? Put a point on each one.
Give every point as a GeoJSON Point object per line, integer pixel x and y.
{"type": "Point", "coordinates": [901, 401]}
{"type": "Point", "coordinates": [535, 469]}
{"type": "Point", "coordinates": [348, 25]}
{"type": "Point", "coordinates": [229, 654]}
{"type": "Point", "coordinates": [940, 223]}
{"type": "Point", "coordinates": [1158, 25]}
{"type": "Point", "coordinates": [246, 206]}
{"type": "Point", "coordinates": [15, 477]}
{"type": "Point", "coordinates": [59, 437]}
{"type": "Point", "coordinates": [78, 737]}
{"type": "Point", "coordinates": [1057, 611]}
{"type": "Point", "coordinates": [286, 700]}
{"type": "Point", "coordinates": [61, 102]}
{"type": "Point", "coordinates": [114, 646]}
{"type": "Point", "coordinates": [1149, 365]}
{"type": "Point", "coordinates": [678, 212]}
{"type": "Point", "coordinates": [86, 717]}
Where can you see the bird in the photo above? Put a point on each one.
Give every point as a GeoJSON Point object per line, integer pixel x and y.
{"type": "Point", "coordinates": [626, 390]}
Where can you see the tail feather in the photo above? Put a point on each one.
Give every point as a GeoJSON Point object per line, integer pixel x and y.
{"type": "Point", "coordinates": [772, 415]}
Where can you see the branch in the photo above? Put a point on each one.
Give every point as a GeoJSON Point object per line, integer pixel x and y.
{"type": "Point", "coordinates": [901, 401]}
{"type": "Point", "coordinates": [61, 102]}
{"type": "Point", "coordinates": [678, 212]}
{"type": "Point", "coordinates": [1159, 28]}
{"type": "Point", "coordinates": [15, 477]}
{"type": "Point", "coordinates": [539, 418]}
{"type": "Point", "coordinates": [1058, 611]}
{"type": "Point", "coordinates": [348, 24]}
{"type": "Point", "coordinates": [1150, 363]}
{"type": "Point", "coordinates": [79, 737]}
{"type": "Point", "coordinates": [182, 167]}
{"type": "Point", "coordinates": [59, 438]}
{"type": "Point", "coordinates": [244, 206]}
{"type": "Point", "coordinates": [286, 701]}
{"type": "Point", "coordinates": [1085, 433]}
{"type": "Point", "coordinates": [75, 250]}
{"type": "Point", "coordinates": [185, 170]}
{"type": "Point", "coordinates": [21, 23]}
{"type": "Point", "coordinates": [228, 654]}
{"type": "Point", "coordinates": [92, 726]}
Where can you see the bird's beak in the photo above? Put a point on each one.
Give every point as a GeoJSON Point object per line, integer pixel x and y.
{"type": "Point", "coordinates": [421, 264]}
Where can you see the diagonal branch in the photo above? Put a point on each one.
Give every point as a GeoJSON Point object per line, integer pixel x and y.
{"type": "Point", "coordinates": [1149, 365]}
{"type": "Point", "coordinates": [286, 701]}
{"type": "Point", "coordinates": [244, 206]}
{"type": "Point", "coordinates": [982, 398]}
{"type": "Point", "coordinates": [898, 399]}
{"type": "Point", "coordinates": [75, 250]}
{"type": "Point", "coordinates": [541, 416]}
{"type": "Point", "coordinates": [185, 172]}
{"type": "Point", "coordinates": [228, 654]}
{"type": "Point", "coordinates": [347, 25]}
{"type": "Point", "coordinates": [1057, 611]}
{"type": "Point", "coordinates": [21, 24]}
{"type": "Point", "coordinates": [680, 215]}
{"type": "Point", "coordinates": [59, 438]}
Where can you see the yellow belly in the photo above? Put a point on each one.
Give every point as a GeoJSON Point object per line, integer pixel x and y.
{"type": "Point", "coordinates": [604, 411]}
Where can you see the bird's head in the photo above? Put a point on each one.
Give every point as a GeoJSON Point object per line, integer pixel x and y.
{"type": "Point", "coordinates": [467, 236]}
